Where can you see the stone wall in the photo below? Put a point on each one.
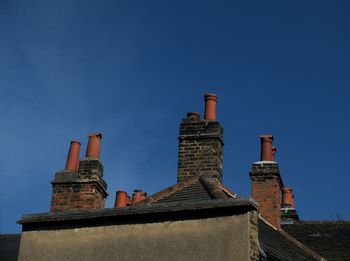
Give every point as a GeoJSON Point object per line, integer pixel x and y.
{"type": "Point", "coordinates": [221, 238]}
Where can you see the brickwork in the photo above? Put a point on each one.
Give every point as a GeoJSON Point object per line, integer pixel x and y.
{"type": "Point", "coordinates": [253, 236]}
{"type": "Point", "coordinates": [200, 148]}
{"type": "Point", "coordinates": [266, 190]}
{"type": "Point", "coordinates": [85, 189]}
{"type": "Point", "coordinates": [75, 196]}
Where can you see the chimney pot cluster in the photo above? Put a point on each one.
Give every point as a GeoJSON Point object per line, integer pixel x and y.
{"type": "Point", "coordinates": [123, 200]}
{"type": "Point", "coordinates": [93, 150]}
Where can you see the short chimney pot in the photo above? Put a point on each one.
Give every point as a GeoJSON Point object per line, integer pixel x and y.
{"type": "Point", "coordinates": [121, 199]}
{"type": "Point", "coordinates": [287, 197]}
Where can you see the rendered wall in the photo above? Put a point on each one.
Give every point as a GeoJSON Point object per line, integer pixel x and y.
{"type": "Point", "coordinates": [223, 238]}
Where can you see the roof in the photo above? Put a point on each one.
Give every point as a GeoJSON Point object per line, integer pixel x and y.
{"type": "Point", "coordinates": [278, 245]}
{"type": "Point", "coordinates": [194, 188]}
{"type": "Point", "coordinates": [330, 239]}
{"type": "Point", "coordinates": [180, 210]}
{"type": "Point", "coordinates": [9, 246]}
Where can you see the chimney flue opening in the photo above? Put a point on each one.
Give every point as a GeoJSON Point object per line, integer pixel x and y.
{"type": "Point", "coordinates": [210, 107]}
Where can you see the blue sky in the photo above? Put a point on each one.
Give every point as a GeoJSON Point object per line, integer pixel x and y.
{"type": "Point", "coordinates": [133, 69]}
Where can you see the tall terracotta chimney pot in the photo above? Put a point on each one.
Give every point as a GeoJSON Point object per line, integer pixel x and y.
{"type": "Point", "coordinates": [210, 107]}
{"type": "Point", "coordinates": [73, 156]}
{"type": "Point", "coordinates": [121, 199]}
{"type": "Point", "coordinates": [93, 147]}
{"type": "Point", "coordinates": [287, 197]}
{"type": "Point", "coordinates": [266, 147]}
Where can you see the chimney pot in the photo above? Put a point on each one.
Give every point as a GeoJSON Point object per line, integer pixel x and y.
{"type": "Point", "coordinates": [210, 107]}
{"type": "Point", "coordinates": [137, 196]}
{"type": "Point", "coordinates": [121, 199]}
{"type": "Point", "coordinates": [274, 151]}
{"type": "Point", "coordinates": [266, 147]}
{"type": "Point", "coordinates": [195, 115]}
{"type": "Point", "coordinates": [287, 197]}
{"type": "Point", "coordinates": [73, 156]}
{"type": "Point", "coordinates": [93, 147]}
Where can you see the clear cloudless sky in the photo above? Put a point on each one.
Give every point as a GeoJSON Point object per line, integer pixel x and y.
{"type": "Point", "coordinates": [133, 69]}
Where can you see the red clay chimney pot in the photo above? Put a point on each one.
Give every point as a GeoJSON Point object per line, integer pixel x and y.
{"type": "Point", "coordinates": [210, 107]}
{"type": "Point", "coordinates": [274, 150]}
{"type": "Point", "coordinates": [287, 197]}
{"type": "Point", "coordinates": [266, 147]}
{"type": "Point", "coordinates": [73, 156]}
{"type": "Point", "coordinates": [93, 147]}
{"type": "Point", "coordinates": [121, 199]}
{"type": "Point", "coordinates": [137, 196]}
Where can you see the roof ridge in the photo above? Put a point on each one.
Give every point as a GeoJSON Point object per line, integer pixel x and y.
{"type": "Point", "coordinates": [212, 186]}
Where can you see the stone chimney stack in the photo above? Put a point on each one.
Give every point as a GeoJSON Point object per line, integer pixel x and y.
{"type": "Point", "coordinates": [267, 183]}
{"type": "Point", "coordinates": [201, 143]}
{"type": "Point", "coordinates": [81, 184]}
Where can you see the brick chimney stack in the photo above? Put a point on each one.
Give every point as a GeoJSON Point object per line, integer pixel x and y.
{"type": "Point", "coordinates": [201, 143]}
{"type": "Point", "coordinates": [81, 184]}
{"type": "Point", "coordinates": [267, 183]}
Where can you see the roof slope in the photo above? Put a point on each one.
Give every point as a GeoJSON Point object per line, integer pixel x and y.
{"type": "Point", "coordinates": [278, 245]}
{"type": "Point", "coordinates": [9, 246]}
{"type": "Point", "coordinates": [194, 188]}
{"type": "Point", "coordinates": [330, 239]}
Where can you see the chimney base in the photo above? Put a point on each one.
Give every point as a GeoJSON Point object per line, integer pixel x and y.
{"type": "Point", "coordinates": [83, 190]}
{"type": "Point", "coordinates": [266, 190]}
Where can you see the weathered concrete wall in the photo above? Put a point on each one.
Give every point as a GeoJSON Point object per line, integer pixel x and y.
{"type": "Point", "coordinates": [223, 238]}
